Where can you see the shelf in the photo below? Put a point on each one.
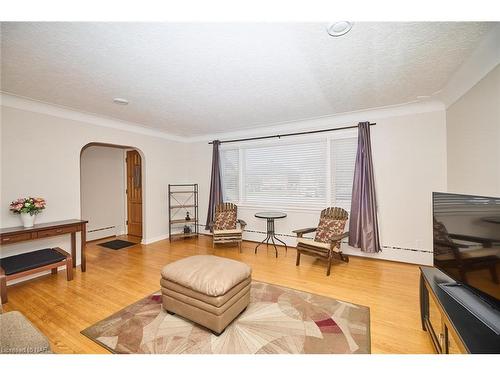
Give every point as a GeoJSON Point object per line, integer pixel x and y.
{"type": "Point", "coordinates": [183, 206]}
{"type": "Point", "coordinates": [179, 235]}
{"type": "Point", "coordinates": [180, 221]}
{"type": "Point", "coordinates": [182, 197]}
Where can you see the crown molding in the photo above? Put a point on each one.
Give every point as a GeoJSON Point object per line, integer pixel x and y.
{"type": "Point", "coordinates": [32, 105]}
{"type": "Point", "coordinates": [482, 61]}
{"type": "Point", "coordinates": [27, 104]}
{"type": "Point", "coordinates": [338, 120]}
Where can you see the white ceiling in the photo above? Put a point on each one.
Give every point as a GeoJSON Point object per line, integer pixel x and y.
{"type": "Point", "coordinates": [193, 79]}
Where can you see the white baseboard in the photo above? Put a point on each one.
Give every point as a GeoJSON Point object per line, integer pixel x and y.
{"type": "Point", "coordinates": [147, 241]}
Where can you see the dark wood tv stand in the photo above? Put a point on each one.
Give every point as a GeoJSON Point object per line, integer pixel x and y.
{"type": "Point", "coordinates": [451, 327]}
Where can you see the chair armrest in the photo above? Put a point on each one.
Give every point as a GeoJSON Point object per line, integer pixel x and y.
{"type": "Point", "coordinates": [242, 223]}
{"type": "Point", "coordinates": [486, 242]}
{"type": "Point", "coordinates": [339, 237]}
{"type": "Point", "coordinates": [451, 246]}
{"type": "Point", "coordinates": [301, 232]}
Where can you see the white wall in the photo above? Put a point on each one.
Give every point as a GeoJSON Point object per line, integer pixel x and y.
{"type": "Point", "coordinates": [409, 155]}
{"type": "Point", "coordinates": [41, 156]}
{"type": "Point", "coordinates": [473, 136]}
{"type": "Point", "coordinates": [103, 191]}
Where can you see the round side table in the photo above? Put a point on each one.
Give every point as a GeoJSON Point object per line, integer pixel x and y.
{"type": "Point", "coordinates": [270, 217]}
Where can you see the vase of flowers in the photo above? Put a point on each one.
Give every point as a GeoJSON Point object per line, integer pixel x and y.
{"type": "Point", "coordinates": [28, 208]}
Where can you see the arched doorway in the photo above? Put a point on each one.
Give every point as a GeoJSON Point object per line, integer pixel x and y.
{"type": "Point", "coordinates": [111, 191]}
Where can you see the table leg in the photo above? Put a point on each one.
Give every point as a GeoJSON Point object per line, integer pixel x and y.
{"type": "Point", "coordinates": [271, 236]}
{"type": "Point", "coordinates": [73, 248]}
{"type": "Point", "coordinates": [284, 244]}
{"type": "Point", "coordinates": [275, 248]}
{"type": "Point", "coordinates": [262, 243]}
{"type": "Point", "coordinates": [270, 233]}
{"type": "Point", "coordinates": [83, 245]}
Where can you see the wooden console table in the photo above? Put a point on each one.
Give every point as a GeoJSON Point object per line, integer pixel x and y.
{"type": "Point", "coordinates": [55, 228]}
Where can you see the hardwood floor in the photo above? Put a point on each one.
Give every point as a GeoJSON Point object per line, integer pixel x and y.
{"type": "Point", "coordinates": [115, 279]}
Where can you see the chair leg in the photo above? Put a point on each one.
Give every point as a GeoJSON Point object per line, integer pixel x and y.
{"type": "Point", "coordinates": [329, 265]}
{"type": "Point", "coordinates": [463, 275]}
{"type": "Point", "coordinates": [53, 271]}
{"type": "Point", "coordinates": [239, 245]}
{"type": "Point", "coordinates": [298, 258]}
{"type": "Point", "coordinates": [493, 273]}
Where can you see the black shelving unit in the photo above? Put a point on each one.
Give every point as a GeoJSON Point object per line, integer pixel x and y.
{"type": "Point", "coordinates": [182, 198]}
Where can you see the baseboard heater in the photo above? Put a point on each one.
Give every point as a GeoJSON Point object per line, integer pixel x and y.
{"type": "Point", "coordinates": [100, 229]}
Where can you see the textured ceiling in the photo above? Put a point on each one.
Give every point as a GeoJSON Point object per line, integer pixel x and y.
{"type": "Point", "coordinates": [193, 79]}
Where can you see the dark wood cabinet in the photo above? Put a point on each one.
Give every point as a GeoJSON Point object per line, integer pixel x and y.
{"type": "Point", "coordinates": [451, 327]}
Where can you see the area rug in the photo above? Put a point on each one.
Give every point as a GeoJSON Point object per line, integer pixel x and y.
{"type": "Point", "coordinates": [117, 244]}
{"type": "Point", "coordinates": [277, 320]}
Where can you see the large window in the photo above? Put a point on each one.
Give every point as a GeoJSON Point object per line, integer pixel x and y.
{"type": "Point", "coordinates": [312, 173]}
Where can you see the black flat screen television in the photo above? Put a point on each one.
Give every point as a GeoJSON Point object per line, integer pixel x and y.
{"type": "Point", "coordinates": [466, 239]}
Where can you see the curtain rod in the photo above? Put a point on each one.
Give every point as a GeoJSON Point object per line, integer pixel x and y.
{"type": "Point", "coordinates": [289, 134]}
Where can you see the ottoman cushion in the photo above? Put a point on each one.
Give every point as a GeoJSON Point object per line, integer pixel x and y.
{"type": "Point", "coordinates": [207, 274]}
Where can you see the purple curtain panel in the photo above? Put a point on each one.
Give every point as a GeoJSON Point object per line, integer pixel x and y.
{"type": "Point", "coordinates": [215, 196]}
{"type": "Point", "coordinates": [363, 223]}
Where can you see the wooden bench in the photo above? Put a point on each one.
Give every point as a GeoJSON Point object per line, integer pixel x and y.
{"type": "Point", "coordinates": [21, 265]}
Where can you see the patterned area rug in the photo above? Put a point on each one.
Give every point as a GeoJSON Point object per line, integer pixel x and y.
{"type": "Point", "coordinates": [278, 320]}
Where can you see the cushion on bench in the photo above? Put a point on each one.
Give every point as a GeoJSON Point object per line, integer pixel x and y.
{"type": "Point", "coordinates": [28, 261]}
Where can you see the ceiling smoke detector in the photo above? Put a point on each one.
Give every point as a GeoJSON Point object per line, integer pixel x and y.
{"type": "Point", "coordinates": [120, 101]}
{"type": "Point", "coordinates": [339, 28]}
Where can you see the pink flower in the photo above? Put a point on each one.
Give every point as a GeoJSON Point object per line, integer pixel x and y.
{"type": "Point", "coordinates": [31, 203]}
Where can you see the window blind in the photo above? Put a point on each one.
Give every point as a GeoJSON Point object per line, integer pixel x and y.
{"type": "Point", "coordinates": [312, 174]}
{"type": "Point", "coordinates": [343, 155]}
{"type": "Point", "coordinates": [285, 175]}
{"type": "Point", "coordinates": [230, 174]}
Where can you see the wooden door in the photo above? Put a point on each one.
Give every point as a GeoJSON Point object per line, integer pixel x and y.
{"type": "Point", "coordinates": [134, 193]}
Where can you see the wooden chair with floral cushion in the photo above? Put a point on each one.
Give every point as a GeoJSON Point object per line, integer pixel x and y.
{"type": "Point", "coordinates": [225, 227]}
{"type": "Point", "coordinates": [329, 234]}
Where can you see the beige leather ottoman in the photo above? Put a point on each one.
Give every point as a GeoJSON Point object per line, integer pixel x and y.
{"type": "Point", "coordinates": [206, 289]}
